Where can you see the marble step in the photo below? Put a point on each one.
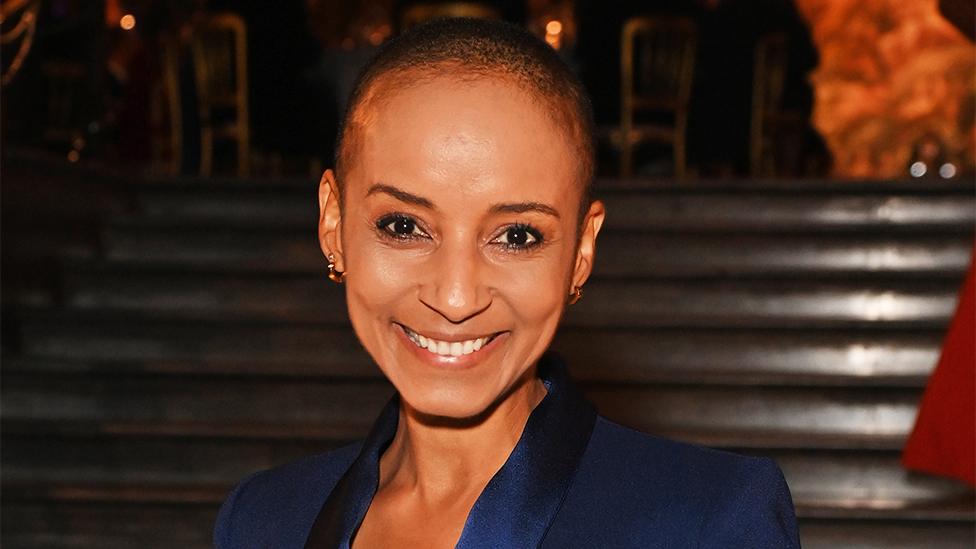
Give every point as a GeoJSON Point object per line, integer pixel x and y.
{"type": "Point", "coordinates": [92, 342]}
{"type": "Point", "coordinates": [110, 525]}
{"type": "Point", "coordinates": [308, 409]}
{"type": "Point", "coordinates": [620, 254]}
{"type": "Point", "coordinates": [871, 484]}
{"type": "Point", "coordinates": [46, 524]}
{"type": "Point", "coordinates": [607, 303]}
{"type": "Point", "coordinates": [714, 207]}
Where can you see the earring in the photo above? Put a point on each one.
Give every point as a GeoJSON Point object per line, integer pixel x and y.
{"type": "Point", "coordinates": [335, 275]}
{"type": "Point", "coordinates": [576, 295]}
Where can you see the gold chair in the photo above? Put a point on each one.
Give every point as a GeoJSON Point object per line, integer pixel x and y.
{"type": "Point", "coordinates": [657, 65]}
{"type": "Point", "coordinates": [166, 111]}
{"type": "Point", "coordinates": [220, 65]}
{"type": "Point", "coordinates": [419, 13]}
{"type": "Point", "coordinates": [768, 119]}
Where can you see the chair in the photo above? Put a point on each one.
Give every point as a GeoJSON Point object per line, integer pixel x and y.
{"type": "Point", "coordinates": [419, 13]}
{"type": "Point", "coordinates": [219, 48]}
{"type": "Point", "coordinates": [657, 64]}
{"type": "Point", "coordinates": [768, 119]}
{"type": "Point", "coordinates": [166, 111]}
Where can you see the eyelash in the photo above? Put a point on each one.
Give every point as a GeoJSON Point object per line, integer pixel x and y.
{"type": "Point", "coordinates": [383, 227]}
{"type": "Point", "coordinates": [384, 222]}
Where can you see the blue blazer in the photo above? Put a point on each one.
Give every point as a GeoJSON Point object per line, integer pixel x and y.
{"type": "Point", "coordinates": [574, 479]}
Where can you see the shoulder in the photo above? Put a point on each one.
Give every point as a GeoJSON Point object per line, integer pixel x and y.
{"type": "Point", "coordinates": [679, 494]}
{"type": "Point", "coordinates": [269, 507]}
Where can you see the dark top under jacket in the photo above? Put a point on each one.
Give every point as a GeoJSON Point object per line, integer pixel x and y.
{"type": "Point", "coordinates": [575, 479]}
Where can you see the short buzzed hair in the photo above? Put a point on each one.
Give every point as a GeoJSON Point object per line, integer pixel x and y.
{"type": "Point", "coordinates": [469, 49]}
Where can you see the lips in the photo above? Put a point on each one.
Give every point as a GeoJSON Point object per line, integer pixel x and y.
{"type": "Point", "coordinates": [447, 348]}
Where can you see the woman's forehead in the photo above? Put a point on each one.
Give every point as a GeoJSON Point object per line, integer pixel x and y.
{"type": "Point", "coordinates": [473, 136]}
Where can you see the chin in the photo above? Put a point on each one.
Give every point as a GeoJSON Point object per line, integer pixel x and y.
{"type": "Point", "coordinates": [453, 404]}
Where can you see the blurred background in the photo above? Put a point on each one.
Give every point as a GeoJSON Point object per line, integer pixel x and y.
{"type": "Point", "coordinates": [791, 213]}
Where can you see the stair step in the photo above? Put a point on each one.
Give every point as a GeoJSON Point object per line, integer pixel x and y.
{"type": "Point", "coordinates": [640, 303]}
{"type": "Point", "coordinates": [92, 342]}
{"type": "Point", "coordinates": [107, 460]}
{"type": "Point", "coordinates": [83, 525]}
{"type": "Point", "coordinates": [885, 535]}
{"type": "Point", "coordinates": [872, 483]}
{"type": "Point", "coordinates": [621, 254]}
{"type": "Point", "coordinates": [830, 207]}
{"type": "Point", "coordinates": [743, 417]}
{"type": "Point", "coordinates": [87, 525]}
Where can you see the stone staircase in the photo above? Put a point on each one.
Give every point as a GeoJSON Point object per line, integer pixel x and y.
{"type": "Point", "coordinates": [197, 339]}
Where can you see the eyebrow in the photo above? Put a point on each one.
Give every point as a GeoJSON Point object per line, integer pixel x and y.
{"type": "Point", "coordinates": [410, 198]}
{"type": "Point", "coordinates": [522, 207]}
{"type": "Point", "coordinates": [401, 195]}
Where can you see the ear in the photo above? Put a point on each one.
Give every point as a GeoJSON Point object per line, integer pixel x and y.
{"type": "Point", "coordinates": [330, 218]}
{"type": "Point", "coordinates": [586, 251]}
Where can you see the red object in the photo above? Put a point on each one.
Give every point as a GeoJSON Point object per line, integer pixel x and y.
{"type": "Point", "coordinates": [944, 439]}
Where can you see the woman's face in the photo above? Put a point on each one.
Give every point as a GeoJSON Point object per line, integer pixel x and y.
{"type": "Point", "coordinates": [458, 234]}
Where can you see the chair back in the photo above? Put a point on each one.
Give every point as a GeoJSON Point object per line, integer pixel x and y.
{"type": "Point", "coordinates": [220, 66]}
{"type": "Point", "coordinates": [657, 63]}
{"type": "Point", "coordinates": [166, 110]}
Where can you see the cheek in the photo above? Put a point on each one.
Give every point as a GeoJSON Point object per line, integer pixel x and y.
{"type": "Point", "coordinates": [535, 293]}
{"type": "Point", "coordinates": [534, 289]}
{"type": "Point", "coordinates": [377, 276]}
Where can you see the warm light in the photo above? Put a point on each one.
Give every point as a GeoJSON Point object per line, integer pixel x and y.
{"type": "Point", "coordinates": [554, 31]}
{"type": "Point", "coordinates": [918, 169]}
{"type": "Point", "coordinates": [947, 171]}
{"type": "Point", "coordinates": [127, 22]}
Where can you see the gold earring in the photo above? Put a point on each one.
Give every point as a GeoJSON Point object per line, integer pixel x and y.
{"type": "Point", "coordinates": [575, 295]}
{"type": "Point", "coordinates": [335, 275]}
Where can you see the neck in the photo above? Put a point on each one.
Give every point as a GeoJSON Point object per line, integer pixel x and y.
{"type": "Point", "coordinates": [438, 458]}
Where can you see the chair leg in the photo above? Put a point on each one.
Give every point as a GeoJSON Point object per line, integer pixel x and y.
{"type": "Point", "coordinates": [243, 156]}
{"type": "Point", "coordinates": [626, 157]}
{"type": "Point", "coordinates": [206, 152]}
{"type": "Point", "coordinates": [680, 158]}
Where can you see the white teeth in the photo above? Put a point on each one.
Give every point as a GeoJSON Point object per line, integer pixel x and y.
{"type": "Point", "coordinates": [447, 348]}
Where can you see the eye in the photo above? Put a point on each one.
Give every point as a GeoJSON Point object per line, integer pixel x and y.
{"type": "Point", "coordinates": [519, 237]}
{"type": "Point", "coordinates": [400, 226]}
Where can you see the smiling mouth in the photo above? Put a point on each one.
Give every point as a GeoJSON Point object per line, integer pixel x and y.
{"type": "Point", "coordinates": [447, 348]}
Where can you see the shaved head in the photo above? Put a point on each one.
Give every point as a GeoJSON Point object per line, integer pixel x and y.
{"type": "Point", "coordinates": [462, 50]}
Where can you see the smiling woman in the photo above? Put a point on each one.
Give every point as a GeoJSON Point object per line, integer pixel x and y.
{"type": "Point", "coordinates": [461, 218]}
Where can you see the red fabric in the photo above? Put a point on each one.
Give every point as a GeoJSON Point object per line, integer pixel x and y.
{"type": "Point", "coordinates": [944, 439]}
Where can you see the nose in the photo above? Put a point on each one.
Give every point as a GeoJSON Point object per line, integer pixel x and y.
{"type": "Point", "coordinates": [454, 284]}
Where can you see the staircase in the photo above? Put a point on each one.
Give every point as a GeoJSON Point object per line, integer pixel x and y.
{"type": "Point", "coordinates": [197, 339]}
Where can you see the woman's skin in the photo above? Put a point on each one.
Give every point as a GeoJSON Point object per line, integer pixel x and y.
{"type": "Point", "coordinates": [459, 223]}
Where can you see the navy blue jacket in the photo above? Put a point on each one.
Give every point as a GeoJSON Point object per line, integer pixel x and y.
{"type": "Point", "coordinates": [575, 479]}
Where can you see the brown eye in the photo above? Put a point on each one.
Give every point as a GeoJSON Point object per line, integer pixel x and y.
{"type": "Point", "coordinates": [519, 237]}
{"type": "Point", "coordinates": [400, 226]}
{"type": "Point", "coordinates": [403, 226]}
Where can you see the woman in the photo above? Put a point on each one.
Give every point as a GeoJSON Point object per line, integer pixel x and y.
{"type": "Point", "coordinates": [460, 221]}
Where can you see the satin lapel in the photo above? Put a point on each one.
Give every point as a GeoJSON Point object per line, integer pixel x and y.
{"type": "Point", "coordinates": [522, 499]}
{"type": "Point", "coordinates": [343, 511]}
